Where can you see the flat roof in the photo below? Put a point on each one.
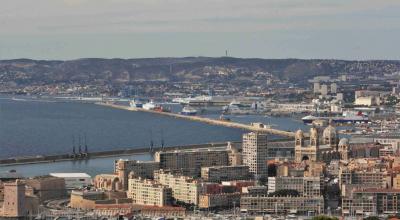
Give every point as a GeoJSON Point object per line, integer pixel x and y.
{"type": "Point", "coordinates": [66, 175]}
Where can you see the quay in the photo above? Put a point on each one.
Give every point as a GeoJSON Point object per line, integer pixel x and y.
{"type": "Point", "coordinates": [229, 124]}
{"type": "Point", "coordinates": [101, 154]}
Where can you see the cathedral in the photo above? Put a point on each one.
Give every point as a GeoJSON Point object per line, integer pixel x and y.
{"type": "Point", "coordinates": [325, 148]}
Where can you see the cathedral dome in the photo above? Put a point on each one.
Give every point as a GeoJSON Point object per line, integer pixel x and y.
{"type": "Point", "coordinates": [344, 142]}
{"type": "Point", "coordinates": [329, 132]}
{"type": "Point", "coordinates": [299, 134]}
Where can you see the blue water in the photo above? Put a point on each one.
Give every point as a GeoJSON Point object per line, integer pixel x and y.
{"type": "Point", "coordinates": [37, 127]}
{"type": "Point", "coordinates": [31, 127]}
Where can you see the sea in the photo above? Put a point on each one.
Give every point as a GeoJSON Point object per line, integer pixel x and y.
{"type": "Point", "coordinates": [31, 126]}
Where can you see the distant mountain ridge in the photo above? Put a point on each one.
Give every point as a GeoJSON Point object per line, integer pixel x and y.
{"type": "Point", "coordinates": [186, 69]}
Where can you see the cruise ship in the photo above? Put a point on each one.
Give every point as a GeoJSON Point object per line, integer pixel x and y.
{"type": "Point", "coordinates": [347, 117]}
{"type": "Point", "coordinates": [188, 111]}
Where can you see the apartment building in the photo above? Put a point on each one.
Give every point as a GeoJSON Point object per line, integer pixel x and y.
{"type": "Point", "coordinates": [143, 169]}
{"type": "Point", "coordinates": [306, 186]}
{"type": "Point", "coordinates": [255, 153]}
{"type": "Point", "coordinates": [190, 161]}
{"type": "Point", "coordinates": [225, 173]}
{"type": "Point", "coordinates": [148, 192]}
{"type": "Point", "coordinates": [184, 189]}
{"type": "Point", "coordinates": [260, 204]}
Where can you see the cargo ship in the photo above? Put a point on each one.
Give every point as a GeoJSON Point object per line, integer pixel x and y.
{"type": "Point", "coordinates": [347, 117]}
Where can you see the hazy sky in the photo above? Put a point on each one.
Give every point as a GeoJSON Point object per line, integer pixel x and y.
{"type": "Point", "coordinates": [70, 29]}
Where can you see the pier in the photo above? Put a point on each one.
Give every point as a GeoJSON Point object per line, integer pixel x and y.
{"type": "Point", "coordinates": [229, 124]}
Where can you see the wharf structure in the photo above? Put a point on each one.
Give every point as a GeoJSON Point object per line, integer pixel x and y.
{"type": "Point", "coordinates": [256, 127]}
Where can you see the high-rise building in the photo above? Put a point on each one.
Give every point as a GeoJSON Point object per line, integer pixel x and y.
{"type": "Point", "coordinates": [255, 153]}
{"type": "Point", "coordinates": [333, 88]}
{"type": "Point", "coordinates": [317, 87]}
{"type": "Point", "coordinates": [324, 90]}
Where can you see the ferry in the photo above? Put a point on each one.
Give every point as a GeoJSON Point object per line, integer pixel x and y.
{"type": "Point", "coordinates": [150, 105]}
{"type": "Point", "coordinates": [238, 108]}
{"type": "Point", "coordinates": [188, 111]}
{"type": "Point", "coordinates": [347, 117]}
{"type": "Point", "coordinates": [136, 103]}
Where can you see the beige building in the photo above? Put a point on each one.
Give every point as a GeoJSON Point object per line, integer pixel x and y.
{"type": "Point", "coordinates": [47, 187]}
{"type": "Point", "coordinates": [189, 162]}
{"type": "Point", "coordinates": [371, 201]}
{"type": "Point", "coordinates": [108, 182]}
{"type": "Point", "coordinates": [184, 188]}
{"type": "Point", "coordinates": [255, 153]}
{"type": "Point", "coordinates": [225, 173]}
{"type": "Point", "coordinates": [367, 101]}
{"type": "Point", "coordinates": [89, 200]}
{"type": "Point", "coordinates": [234, 156]}
{"type": "Point", "coordinates": [259, 204]}
{"type": "Point", "coordinates": [306, 186]}
{"type": "Point", "coordinates": [143, 169]}
{"type": "Point", "coordinates": [222, 200]}
{"type": "Point", "coordinates": [148, 192]}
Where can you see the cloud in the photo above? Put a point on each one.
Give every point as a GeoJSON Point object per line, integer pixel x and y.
{"type": "Point", "coordinates": [121, 16]}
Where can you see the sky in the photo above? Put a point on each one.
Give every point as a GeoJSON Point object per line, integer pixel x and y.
{"type": "Point", "coordinates": [309, 29]}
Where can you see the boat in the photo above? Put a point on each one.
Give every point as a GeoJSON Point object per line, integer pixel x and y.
{"type": "Point", "coordinates": [238, 108]}
{"type": "Point", "coordinates": [150, 105]}
{"type": "Point", "coordinates": [136, 103]}
{"type": "Point", "coordinates": [188, 111]}
{"type": "Point", "coordinates": [224, 118]}
{"type": "Point", "coordinates": [160, 108]}
{"type": "Point", "coordinates": [347, 117]}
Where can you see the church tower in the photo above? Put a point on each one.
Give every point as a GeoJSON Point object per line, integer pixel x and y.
{"type": "Point", "coordinates": [344, 149]}
{"type": "Point", "coordinates": [329, 136]}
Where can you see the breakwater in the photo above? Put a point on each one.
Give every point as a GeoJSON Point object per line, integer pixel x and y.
{"type": "Point", "coordinates": [230, 124]}
{"type": "Point", "coordinates": [99, 154]}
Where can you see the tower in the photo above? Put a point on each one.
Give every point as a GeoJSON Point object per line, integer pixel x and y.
{"type": "Point", "coordinates": [314, 142]}
{"type": "Point", "coordinates": [330, 136]}
{"type": "Point", "coordinates": [14, 199]}
{"type": "Point", "coordinates": [255, 153]}
{"type": "Point", "coordinates": [344, 149]}
{"type": "Point", "coordinates": [299, 138]}
{"type": "Point", "coordinates": [303, 152]}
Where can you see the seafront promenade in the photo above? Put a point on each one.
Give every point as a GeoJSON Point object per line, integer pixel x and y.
{"type": "Point", "coordinates": [229, 124]}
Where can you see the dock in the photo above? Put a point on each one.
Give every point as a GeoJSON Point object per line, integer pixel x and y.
{"type": "Point", "coordinates": [228, 124]}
